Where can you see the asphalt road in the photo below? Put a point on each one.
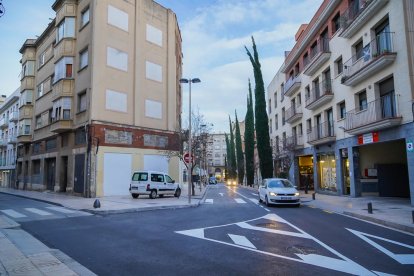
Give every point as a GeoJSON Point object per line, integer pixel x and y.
{"type": "Point", "coordinates": [231, 234]}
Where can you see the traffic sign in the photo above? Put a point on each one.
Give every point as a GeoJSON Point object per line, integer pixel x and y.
{"type": "Point", "coordinates": [187, 158]}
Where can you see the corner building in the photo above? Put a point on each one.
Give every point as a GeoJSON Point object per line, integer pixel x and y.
{"type": "Point", "coordinates": [342, 102]}
{"type": "Point", "coordinates": [100, 97]}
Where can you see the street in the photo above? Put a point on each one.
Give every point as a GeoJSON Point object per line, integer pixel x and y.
{"type": "Point", "coordinates": [230, 234]}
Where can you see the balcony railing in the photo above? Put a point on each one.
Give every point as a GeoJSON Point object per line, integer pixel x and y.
{"type": "Point", "coordinates": [371, 59]}
{"type": "Point", "coordinates": [379, 114]}
{"type": "Point", "coordinates": [352, 12]}
{"type": "Point", "coordinates": [320, 94]}
{"type": "Point", "coordinates": [318, 55]}
{"type": "Point", "coordinates": [293, 113]}
{"type": "Point", "coordinates": [321, 133]}
{"type": "Point", "coordinates": [3, 142]}
{"type": "Point", "coordinates": [4, 122]}
{"type": "Point", "coordinates": [292, 85]}
{"type": "Point", "coordinates": [14, 116]}
{"type": "Point", "coordinates": [294, 141]}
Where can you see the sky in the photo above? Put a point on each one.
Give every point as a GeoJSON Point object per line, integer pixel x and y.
{"type": "Point", "coordinates": [214, 33]}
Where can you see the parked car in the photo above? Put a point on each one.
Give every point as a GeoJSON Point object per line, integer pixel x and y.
{"type": "Point", "coordinates": [278, 191]}
{"type": "Point", "coordinates": [153, 183]}
{"type": "Point", "coordinates": [212, 180]}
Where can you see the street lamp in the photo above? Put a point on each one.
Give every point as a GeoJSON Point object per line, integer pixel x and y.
{"type": "Point", "coordinates": [190, 180]}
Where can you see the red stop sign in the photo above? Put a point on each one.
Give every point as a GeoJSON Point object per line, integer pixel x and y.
{"type": "Point", "coordinates": [187, 158]}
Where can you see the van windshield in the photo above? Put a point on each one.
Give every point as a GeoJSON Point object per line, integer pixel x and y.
{"type": "Point", "coordinates": [140, 177]}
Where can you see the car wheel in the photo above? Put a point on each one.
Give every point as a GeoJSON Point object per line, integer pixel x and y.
{"type": "Point", "coordinates": [177, 192]}
{"type": "Point", "coordinates": [260, 199]}
{"type": "Point", "coordinates": [135, 195]}
{"type": "Point", "coordinates": [153, 194]}
{"type": "Point", "coordinates": [267, 202]}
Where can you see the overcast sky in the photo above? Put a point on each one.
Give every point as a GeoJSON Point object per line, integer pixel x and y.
{"type": "Point", "coordinates": [214, 33]}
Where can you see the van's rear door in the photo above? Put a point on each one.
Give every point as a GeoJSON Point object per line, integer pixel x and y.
{"type": "Point", "coordinates": [139, 181]}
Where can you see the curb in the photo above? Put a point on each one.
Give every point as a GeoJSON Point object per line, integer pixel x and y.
{"type": "Point", "coordinates": [37, 199]}
{"type": "Point", "coordinates": [136, 210]}
{"type": "Point", "coordinates": [394, 225]}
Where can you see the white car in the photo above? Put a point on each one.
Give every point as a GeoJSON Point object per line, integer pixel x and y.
{"type": "Point", "coordinates": [153, 183]}
{"type": "Point", "coordinates": [278, 191]}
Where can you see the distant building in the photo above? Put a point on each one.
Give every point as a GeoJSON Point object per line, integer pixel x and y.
{"type": "Point", "coordinates": [342, 102]}
{"type": "Point", "coordinates": [100, 97]}
{"type": "Point", "coordinates": [216, 155]}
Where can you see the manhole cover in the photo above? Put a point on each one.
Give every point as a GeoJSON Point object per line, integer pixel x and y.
{"type": "Point", "coordinates": [299, 249]}
{"type": "Point", "coordinates": [268, 225]}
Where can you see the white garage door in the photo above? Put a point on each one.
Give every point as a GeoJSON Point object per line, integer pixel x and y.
{"type": "Point", "coordinates": [117, 173]}
{"type": "Point", "coordinates": [156, 163]}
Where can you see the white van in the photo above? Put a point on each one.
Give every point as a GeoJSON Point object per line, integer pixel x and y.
{"type": "Point", "coordinates": [153, 183]}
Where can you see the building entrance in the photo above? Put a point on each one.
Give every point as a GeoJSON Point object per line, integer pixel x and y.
{"type": "Point", "coordinates": [306, 172]}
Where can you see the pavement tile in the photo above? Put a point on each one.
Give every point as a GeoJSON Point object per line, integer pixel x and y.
{"type": "Point", "coordinates": [25, 242]}
{"type": "Point", "coordinates": [50, 265]}
{"type": "Point", "coordinates": [71, 263]}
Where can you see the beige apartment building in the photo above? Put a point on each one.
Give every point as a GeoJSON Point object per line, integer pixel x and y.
{"type": "Point", "coordinates": [342, 103]}
{"type": "Point", "coordinates": [100, 97]}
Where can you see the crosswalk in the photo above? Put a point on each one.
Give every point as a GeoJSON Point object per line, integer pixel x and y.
{"type": "Point", "coordinates": [234, 200]}
{"type": "Point", "coordinates": [41, 213]}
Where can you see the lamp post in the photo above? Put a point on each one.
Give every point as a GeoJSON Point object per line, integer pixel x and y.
{"type": "Point", "coordinates": [190, 180]}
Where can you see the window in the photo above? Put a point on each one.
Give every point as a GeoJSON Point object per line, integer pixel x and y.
{"type": "Point", "coordinates": [42, 59]}
{"type": "Point", "coordinates": [85, 17]}
{"type": "Point", "coordinates": [362, 100]}
{"type": "Point", "coordinates": [154, 35]}
{"type": "Point", "coordinates": [168, 179]}
{"type": "Point", "coordinates": [65, 29]}
{"type": "Point", "coordinates": [63, 69]}
{"type": "Point", "coordinates": [64, 141]}
{"type": "Point", "coordinates": [153, 71]}
{"type": "Point", "coordinates": [308, 126]}
{"type": "Point", "coordinates": [28, 68]}
{"type": "Point", "coordinates": [82, 101]}
{"type": "Point", "coordinates": [83, 59]}
{"type": "Point", "coordinates": [299, 97]}
{"type": "Point", "coordinates": [26, 97]}
{"type": "Point", "coordinates": [275, 99]}
{"type": "Point", "coordinates": [40, 90]}
{"type": "Point", "coordinates": [117, 59]}
{"type": "Point", "coordinates": [80, 136]}
{"type": "Point", "coordinates": [157, 177]}
{"type": "Point", "coordinates": [358, 48]}
{"type": "Point", "coordinates": [339, 66]}
{"type": "Point", "coordinates": [140, 177]}
{"type": "Point", "coordinates": [118, 18]}
{"type": "Point", "coordinates": [342, 111]}
{"type": "Point", "coordinates": [336, 23]}
{"type": "Point", "coordinates": [282, 94]}
{"type": "Point", "coordinates": [38, 121]}
{"type": "Point", "coordinates": [283, 116]}
{"type": "Point", "coordinates": [66, 114]}
{"type": "Point", "coordinates": [270, 125]}
{"type": "Point", "coordinates": [276, 122]}
{"type": "Point", "coordinates": [61, 109]}
{"type": "Point", "coordinates": [36, 167]}
{"type": "Point", "coordinates": [307, 92]}
{"type": "Point", "coordinates": [270, 106]}
{"type": "Point", "coordinates": [51, 144]}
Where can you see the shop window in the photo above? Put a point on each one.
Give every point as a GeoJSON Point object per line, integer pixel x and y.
{"type": "Point", "coordinates": [327, 172]}
{"type": "Point", "coordinates": [35, 167]}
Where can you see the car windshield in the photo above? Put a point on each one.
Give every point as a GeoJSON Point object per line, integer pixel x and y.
{"type": "Point", "coordinates": [280, 183]}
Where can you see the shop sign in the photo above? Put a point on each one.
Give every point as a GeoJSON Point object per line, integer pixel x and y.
{"type": "Point", "coordinates": [410, 146]}
{"type": "Point", "coordinates": [368, 138]}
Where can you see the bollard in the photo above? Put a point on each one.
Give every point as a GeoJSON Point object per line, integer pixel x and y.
{"type": "Point", "coordinates": [313, 196]}
{"type": "Point", "coordinates": [370, 208]}
{"type": "Point", "coordinates": [96, 204]}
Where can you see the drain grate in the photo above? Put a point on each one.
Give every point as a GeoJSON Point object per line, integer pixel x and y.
{"type": "Point", "coordinates": [300, 249]}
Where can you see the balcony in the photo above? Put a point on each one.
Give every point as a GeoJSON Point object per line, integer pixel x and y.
{"type": "Point", "coordinates": [294, 142]}
{"type": "Point", "coordinates": [318, 56]}
{"type": "Point", "coordinates": [26, 112]}
{"type": "Point", "coordinates": [357, 15]}
{"type": "Point", "coordinates": [3, 142]}
{"type": "Point", "coordinates": [293, 114]}
{"type": "Point", "coordinates": [4, 122]}
{"type": "Point", "coordinates": [12, 140]}
{"type": "Point", "coordinates": [65, 47]}
{"type": "Point", "coordinates": [322, 134]}
{"type": "Point", "coordinates": [376, 56]}
{"type": "Point", "coordinates": [14, 116]}
{"type": "Point", "coordinates": [63, 88]}
{"type": "Point", "coordinates": [380, 114]}
{"type": "Point", "coordinates": [61, 125]}
{"type": "Point", "coordinates": [319, 95]}
{"type": "Point", "coordinates": [27, 83]}
{"type": "Point", "coordinates": [24, 135]}
{"type": "Point", "coordinates": [292, 85]}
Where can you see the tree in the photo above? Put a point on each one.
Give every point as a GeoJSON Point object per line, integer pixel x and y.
{"type": "Point", "coordinates": [239, 152]}
{"type": "Point", "coordinates": [262, 123]}
{"type": "Point", "coordinates": [249, 139]}
{"type": "Point", "coordinates": [233, 161]}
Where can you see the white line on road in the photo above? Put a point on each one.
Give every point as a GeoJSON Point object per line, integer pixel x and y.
{"type": "Point", "coordinates": [221, 194]}
{"type": "Point", "coordinates": [255, 194]}
{"type": "Point", "coordinates": [13, 214]}
{"type": "Point", "coordinates": [239, 200]}
{"type": "Point", "coordinates": [241, 240]}
{"type": "Point", "coordinates": [61, 210]}
{"type": "Point", "coordinates": [254, 200]}
{"type": "Point", "coordinates": [209, 200]}
{"type": "Point", "coordinates": [266, 209]}
{"type": "Point", "coordinates": [37, 211]}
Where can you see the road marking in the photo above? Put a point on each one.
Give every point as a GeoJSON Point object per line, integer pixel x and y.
{"type": "Point", "coordinates": [37, 211]}
{"type": "Point", "coordinates": [61, 210]}
{"type": "Point", "coordinates": [209, 200]}
{"type": "Point", "coordinates": [13, 214]}
{"type": "Point", "coordinates": [266, 209]}
{"type": "Point", "coordinates": [241, 240]}
{"type": "Point", "coordinates": [221, 194]}
{"type": "Point", "coordinates": [326, 211]}
{"type": "Point", "coordinates": [254, 200]}
{"type": "Point", "coordinates": [401, 258]}
{"type": "Point", "coordinates": [255, 194]}
{"type": "Point", "coordinates": [239, 200]}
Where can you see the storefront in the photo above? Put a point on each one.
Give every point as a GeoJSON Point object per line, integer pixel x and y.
{"type": "Point", "coordinates": [306, 172]}
{"type": "Point", "coordinates": [326, 172]}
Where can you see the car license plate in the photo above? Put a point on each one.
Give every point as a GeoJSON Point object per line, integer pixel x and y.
{"type": "Point", "coordinates": [286, 198]}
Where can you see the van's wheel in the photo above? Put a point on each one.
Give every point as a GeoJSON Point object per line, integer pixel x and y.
{"type": "Point", "coordinates": [267, 202]}
{"type": "Point", "coordinates": [153, 194]}
{"type": "Point", "coordinates": [177, 192]}
{"type": "Point", "coordinates": [135, 195]}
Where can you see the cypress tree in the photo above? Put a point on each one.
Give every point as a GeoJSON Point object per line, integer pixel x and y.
{"type": "Point", "coordinates": [249, 139]}
{"type": "Point", "coordinates": [262, 122]}
{"type": "Point", "coordinates": [239, 152]}
{"type": "Point", "coordinates": [233, 165]}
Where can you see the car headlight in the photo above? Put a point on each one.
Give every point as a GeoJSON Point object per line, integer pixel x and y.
{"type": "Point", "coordinates": [297, 194]}
{"type": "Point", "coordinates": [272, 194]}
{"type": "Point", "coordinates": [234, 183]}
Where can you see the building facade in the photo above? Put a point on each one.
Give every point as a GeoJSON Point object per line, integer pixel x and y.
{"type": "Point", "coordinates": [100, 97]}
{"type": "Point", "coordinates": [216, 155]}
{"type": "Point", "coordinates": [341, 106]}
{"type": "Point", "coordinates": [9, 116]}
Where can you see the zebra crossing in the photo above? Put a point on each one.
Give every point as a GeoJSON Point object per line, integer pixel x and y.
{"type": "Point", "coordinates": [232, 200]}
{"type": "Point", "coordinates": [44, 212]}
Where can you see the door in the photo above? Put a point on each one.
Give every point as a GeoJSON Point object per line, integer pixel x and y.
{"type": "Point", "coordinates": [319, 127]}
{"type": "Point", "coordinates": [50, 174]}
{"type": "Point", "coordinates": [170, 185]}
{"type": "Point", "coordinates": [79, 185]}
{"type": "Point", "coordinates": [64, 174]}
{"type": "Point", "coordinates": [117, 173]}
{"type": "Point", "coordinates": [329, 115]}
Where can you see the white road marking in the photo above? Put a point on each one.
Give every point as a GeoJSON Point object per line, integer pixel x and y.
{"type": "Point", "coordinates": [239, 200]}
{"type": "Point", "coordinates": [13, 214]}
{"type": "Point", "coordinates": [61, 210]}
{"type": "Point", "coordinates": [221, 194]}
{"type": "Point", "coordinates": [209, 200]}
{"type": "Point", "coordinates": [341, 263]}
{"type": "Point", "coordinates": [254, 200]}
{"type": "Point", "coordinates": [241, 240]}
{"type": "Point", "coordinates": [255, 194]}
{"type": "Point", "coordinates": [37, 211]}
{"type": "Point", "coordinates": [266, 209]}
{"type": "Point", "coordinates": [383, 273]}
{"type": "Point", "coordinates": [401, 258]}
